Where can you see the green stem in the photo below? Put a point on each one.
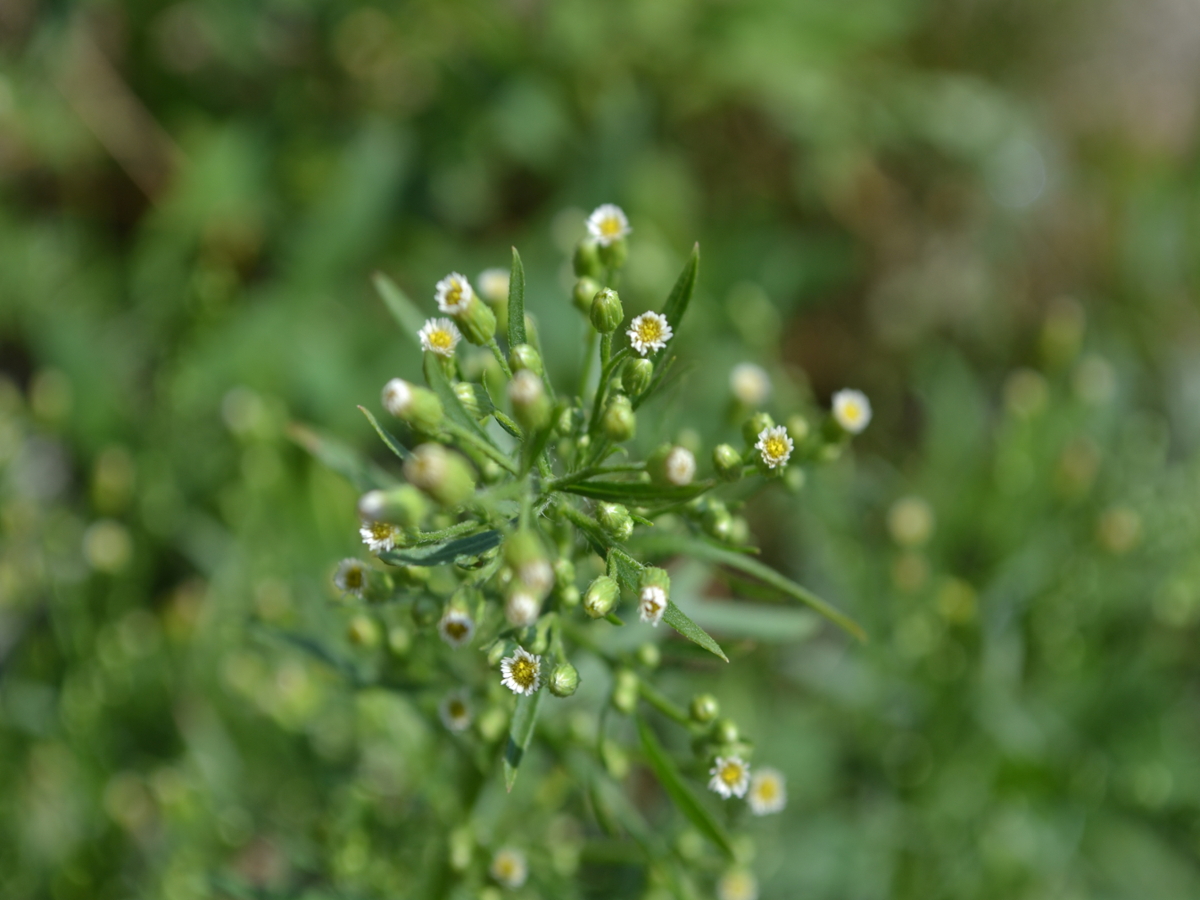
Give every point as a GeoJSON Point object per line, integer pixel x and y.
{"type": "Point", "coordinates": [583, 474]}
{"type": "Point", "coordinates": [588, 352]}
{"type": "Point", "coordinates": [663, 704]}
{"type": "Point", "coordinates": [500, 357]}
{"type": "Point", "coordinates": [469, 437]}
{"type": "Point", "coordinates": [432, 537]}
{"type": "Point", "coordinates": [605, 350]}
{"type": "Point", "coordinates": [606, 373]}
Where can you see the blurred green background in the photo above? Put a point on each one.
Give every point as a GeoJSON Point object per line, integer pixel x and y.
{"type": "Point", "coordinates": [984, 213]}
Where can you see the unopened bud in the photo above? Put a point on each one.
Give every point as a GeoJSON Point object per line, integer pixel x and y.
{"type": "Point", "coordinates": [649, 655]}
{"type": "Point", "coordinates": [726, 732]}
{"type": "Point", "coordinates": [636, 376]}
{"type": "Point", "coordinates": [798, 428]}
{"type": "Point", "coordinates": [586, 259]}
{"type": "Point", "coordinates": [717, 521]}
{"type": "Point", "coordinates": [531, 407]}
{"type": "Point", "coordinates": [584, 293]}
{"type": "Point", "coordinates": [526, 555]}
{"type": "Point", "coordinates": [727, 462]}
{"type": "Point", "coordinates": [524, 356]}
{"type": "Point", "coordinates": [625, 691]}
{"type": "Point", "coordinates": [471, 396]}
{"type": "Point", "coordinates": [521, 609]}
{"type": "Point", "coordinates": [704, 708]}
{"type": "Point", "coordinates": [442, 474]}
{"type": "Point", "coordinates": [477, 323]}
{"type": "Point", "coordinates": [419, 407]}
{"type": "Point", "coordinates": [363, 631]}
{"type": "Point", "coordinates": [601, 597]}
{"type": "Point", "coordinates": [672, 465]}
{"type": "Point", "coordinates": [606, 313]}
{"type": "Point", "coordinates": [399, 640]}
{"type": "Point", "coordinates": [564, 680]}
{"type": "Point", "coordinates": [754, 426]}
{"type": "Point", "coordinates": [404, 505]}
{"type": "Point", "coordinates": [615, 520]}
{"type": "Point", "coordinates": [614, 253]}
{"type": "Point", "coordinates": [619, 422]}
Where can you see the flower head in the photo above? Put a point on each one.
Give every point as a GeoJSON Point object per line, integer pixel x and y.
{"type": "Point", "coordinates": [608, 224]}
{"type": "Point", "coordinates": [522, 672]}
{"type": "Point", "coordinates": [649, 331]}
{"type": "Point", "coordinates": [454, 293]}
{"type": "Point", "coordinates": [493, 285]}
{"type": "Point", "coordinates": [768, 792]}
{"type": "Point", "coordinates": [680, 466]}
{"type": "Point", "coordinates": [440, 336]}
{"type": "Point", "coordinates": [397, 394]}
{"type": "Point", "coordinates": [852, 410]}
{"type": "Point", "coordinates": [775, 446]}
{"type": "Point", "coordinates": [456, 628]}
{"type": "Point", "coordinates": [521, 609]}
{"type": "Point", "coordinates": [509, 868]}
{"type": "Point", "coordinates": [730, 776]}
{"type": "Point", "coordinates": [737, 884]}
{"type": "Point", "coordinates": [351, 577]}
{"type": "Point", "coordinates": [750, 384]}
{"type": "Point", "coordinates": [652, 603]}
{"type": "Point", "coordinates": [379, 536]}
{"type": "Point", "coordinates": [455, 711]}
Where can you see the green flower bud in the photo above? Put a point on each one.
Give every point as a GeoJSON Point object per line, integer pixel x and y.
{"type": "Point", "coordinates": [615, 520]}
{"type": "Point", "coordinates": [363, 631]}
{"type": "Point", "coordinates": [727, 462]}
{"type": "Point", "coordinates": [619, 421]}
{"type": "Point", "coordinates": [606, 313]}
{"type": "Point", "coordinates": [418, 407]}
{"type": "Point", "coordinates": [462, 846]}
{"type": "Point", "coordinates": [405, 506]}
{"type": "Point", "coordinates": [673, 466]}
{"type": "Point", "coordinates": [636, 375]}
{"type": "Point", "coordinates": [739, 531]}
{"type": "Point", "coordinates": [523, 357]}
{"type": "Point", "coordinates": [442, 474]}
{"type": "Point", "coordinates": [399, 640]}
{"type": "Point", "coordinates": [467, 396]}
{"type": "Point", "coordinates": [649, 655]}
{"type": "Point", "coordinates": [526, 554]}
{"type": "Point", "coordinates": [798, 428]}
{"type": "Point", "coordinates": [568, 596]}
{"type": "Point", "coordinates": [426, 610]}
{"type": "Point", "coordinates": [726, 732]}
{"type": "Point", "coordinates": [564, 680]}
{"type": "Point", "coordinates": [754, 426]}
{"type": "Point", "coordinates": [717, 521]}
{"type": "Point", "coordinates": [531, 407]}
{"type": "Point", "coordinates": [615, 253]}
{"type": "Point", "coordinates": [564, 572]}
{"type": "Point", "coordinates": [601, 597]}
{"type": "Point", "coordinates": [477, 323]}
{"type": "Point", "coordinates": [584, 293]}
{"type": "Point", "coordinates": [704, 708]}
{"type": "Point", "coordinates": [564, 421]}
{"type": "Point", "coordinates": [625, 691]}
{"type": "Point", "coordinates": [586, 259]}
{"type": "Point", "coordinates": [493, 723]}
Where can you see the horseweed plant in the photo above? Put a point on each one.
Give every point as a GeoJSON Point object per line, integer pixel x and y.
{"type": "Point", "coordinates": [521, 539]}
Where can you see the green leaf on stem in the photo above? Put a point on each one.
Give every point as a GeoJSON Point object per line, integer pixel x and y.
{"type": "Point", "coordinates": [516, 302]}
{"type": "Point", "coordinates": [362, 473]}
{"type": "Point", "coordinates": [678, 619]}
{"type": "Point", "coordinates": [435, 377]}
{"type": "Point", "coordinates": [519, 736]}
{"type": "Point", "coordinates": [386, 436]}
{"type": "Point", "coordinates": [681, 293]}
{"type": "Point", "coordinates": [446, 552]}
{"type": "Point", "coordinates": [403, 310]}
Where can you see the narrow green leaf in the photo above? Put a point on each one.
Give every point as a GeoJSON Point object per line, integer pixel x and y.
{"type": "Point", "coordinates": [387, 437]}
{"type": "Point", "coordinates": [520, 735]}
{"type": "Point", "coordinates": [362, 473]}
{"type": "Point", "coordinates": [767, 624]}
{"type": "Point", "coordinates": [677, 619]}
{"type": "Point", "coordinates": [681, 293]}
{"type": "Point", "coordinates": [685, 801]}
{"type": "Point", "coordinates": [516, 302]}
{"type": "Point", "coordinates": [435, 377]}
{"type": "Point", "coordinates": [446, 552]}
{"type": "Point", "coordinates": [403, 310]}
{"type": "Point", "coordinates": [636, 492]}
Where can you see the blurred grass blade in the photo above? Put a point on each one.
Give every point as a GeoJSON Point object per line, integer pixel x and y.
{"type": "Point", "coordinates": [516, 302]}
{"type": "Point", "coordinates": [386, 436]}
{"type": "Point", "coordinates": [405, 312]}
{"type": "Point", "coordinates": [447, 552]}
{"type": "Point", "coordinates": [435, 377]}
{"type": "Point", "coordinates": [636, 492]}
{"type": "Point", "coordinates": [362, 473]}
{"type": "Point", "coordinates": [672, 782]}
{"type": "Point", "coordinates": [520, 735]}
{"type": "Point", "coordinates": [677, 619]}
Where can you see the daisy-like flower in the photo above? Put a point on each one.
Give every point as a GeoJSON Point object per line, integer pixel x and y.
{"type": "Point", "coordinates": [680, 466]}
{"type": "Point", "coordinates": [493, 285]}
{"type": "Point", "coordinates": [608, 224]}
{"type": "Point", "coordinates": [351, 577]}
{"type": "Point", "coordinates": [379, 537]}
{"type": "Point", "coordinates": [737, 884]}
{"type": "Point", "coordinates": [454, 293]}
{"type": "Point", "coordinates": [768, 792]}
{"type": "Point", "coordinates": [649, 331]}
{"type": "Point", "coordinates": [455, 711]}
{"type": "Point", "coordinates": [852, 410]}
{"type": "Point", "coordinates": [730, 776]}
{"type": "Point", "coordinates": [522, 672]}
{"type": "Point", "coordinates": [440, 336]}
{"type": "Point", "coordinates": [652, 603]}
{"type": "Point", "coordinates": [456, 628]}
{"type": "Point", "coordinates": [775, 446]}
{"type": "Point", "coordinates": [521, 609]}
{"type": "Point", "coordinates": [750, 384]}
{"type": "Point", "coordinates": [509, 868]}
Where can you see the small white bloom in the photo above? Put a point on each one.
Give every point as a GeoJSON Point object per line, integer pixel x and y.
{"type": "Point", "coordinates": [649, 331]}
{"type": "Point", "coordinates": [397, 394]}
{"type": "Point", "coordinates": [525, 388]}
{"type": "Point", "coordinates": [440, 336]}
{"type": "Point", "coordinates": [522, 672]}
{"type": "Point", "coordinates": [775, 446]}
{"type": "Point", "coordinates": [737, 884]}
{"type": "Point", "coordinates": [768, 792]}
{"type": "Point", "coordinates": [509, 868]}
{"type": "Point", "coordinates": [852, 410]}
{"type": "Point", "coordinates": [456, 628]}
{"type": "Point", "coordinates": [730, 776]}
{"type": "Point", "coordinates": [351, 577]}
{"type": "Point", "coordinates": [379, 537]}
{"type": "Point", "coordinates": [454, 293]}
{"type": "Point", "coordinates": [750, 384]}
{"type": "Point", "coordinates": [537, 576]}
{"type": "Point", "coordinates": [652, 603]}
{"type": "Point", "coordinates": [493, 285]}
{"type": "Point", "coordinates": [680, 466]}
{"type": "Point", "coordinates": [521, 609]}
{"type": "Point", "coordinates": [455, 711]}
{"type": "Point", "coordinates": [608, 224]}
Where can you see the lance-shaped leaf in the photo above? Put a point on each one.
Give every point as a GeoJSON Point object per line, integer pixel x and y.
{"type": "Point", "coordinates": [637, 492]}
{"type": "Point", "coordinates": [516, 302]}
{"type": "Point", "coordinates": [678, 619]}
{"type": "Point", "coordinates": [362, 473]}
{"type": "Point", "coordinates": [767, 624]}
{"type": "Point", "coordinates": [681, 795]}
{"type": "Point", "coordinates": [681, 293]}
{"type": "Point", "coordinates": [435, 377]}
{"type": "Point", "coordinates": [446, 552]}
{"type": "Point", "coordinates": [519, 736]}
{"type": "Point", "coordinates": [403, 310]}
{"type": "Point", "coordinates": [386, 436]}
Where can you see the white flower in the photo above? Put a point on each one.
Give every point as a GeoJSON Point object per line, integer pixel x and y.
{"type": "Point", "coordinates": [521, 609]}
{"type": "Point", "coordinates": [454, 293]}
{"type": "Point", "coordinates": [680, 466]}
{"type": "Point", "coordinates": [649, 331]}
{"type": "Point", "coordinates": [852, 410]}
{"type": "Point", "coordinates": [737, 884]}
{"type": "Point", "coordinates": [456, 628]}
{"type": "Point", "coordinates": [440, 336]}
{"type": "Point", "coordinates": [351, 577]}
{"type": "Point", "coordinates": [455, 711]}
{"type": "Point", "coordinates": [522, 672]}
{"type": "Point", "coordinates": [730, 776]}
{"type": "Point", "coordinates": [750, 384]}
{"type": "Point", "coordinates": [397, 394]}
{"type": "Point", "coordinates": [608, 224]}
{"type": "Point", "coordinates": [508, 867]}
{"type": "Point", "coordinates": [768, 792]}
{"type": "Point", "coordinates": [652, 603]}
{"type": "Point", "coordinates": [493, 285]}
{"type": "Point", "coordinates": [775, 446]}
{"type": "Point", "coordinates": [379, 536]}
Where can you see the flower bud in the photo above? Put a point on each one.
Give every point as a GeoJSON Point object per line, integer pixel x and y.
{"type": "Point", "coordinates": [726, 732]}
{"type": "Point", "coordinates": [568, 595]}
{"type": "Point", "coordinates": [636, 376]}
{"type": "Point", "coordinates": [727, 462]}
{"type": "Point", "coordinates": [717, 521]}
{"type": "Point", "coordinates": [363, 631]}
{"type": "Point", "coordinates": [531, 406]}
{"type": "Point", "coordinates": [654, 594]}
{"type": "Point", "coordinates": [615, 520]}
{"type": "Point", "coordinates": [521, 609]}
{"type": "Point", "coordinates": [404, 505]}
{"type": "Point", "coordinates": [524, 356]}
{"type": "Point", "coordinates": [586, 259]}
{"type": "Point", "coordinates": [477, 323]}
{"type": "Point", "coordinates": [564, 572]}
{"type": "Point", "coordinates": [467, 396]}
{"type": "Point", "coordinates": [564, 421]}
{"type": "Point", "coordinates": [649, 655]}
{"type": "Point", "coordinates": [440, 473]}
{"type": "Point", "coordinates": [619, 422]}
{"type": "Point", "coordinates": [606, 313]}
{"type": "Point", "coordinates": [754, 426]}
{"type": "Point", "coordinates": [532, 572]}
{"type": "Point", "coordinates": [798, 428]}
{"type": "Point", "coordinates": [672, 465]}
{"type": "Point", "coordinates": [704, 708]}
{"type": "Point", "coordinates": [419, 407]}
{"type": "Point", "coordinates": [399, 640]}
{"type": "Point", "coordinates": [614, 253]}
{"type": "Point", "coordinates": [625, 691]}
{"type": "Point", "coordinates": [584, 292]}
{"type": "Point", "coordinates": [564, 680]}
{"type": "Point", "coordinates": [601, 597]}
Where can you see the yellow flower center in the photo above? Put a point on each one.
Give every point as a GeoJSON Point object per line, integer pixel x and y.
{"type": "Point", "coordinates": [454, 294]}
{"type": "Point", "coordinates": [456, 630]}
{"type": "Point", "coordinates": [524, 671]}
{"type": "Point", "coordinates": [731, 774]}
{"type": "Point", "coordinates": [610, 227]}
{"type": "Point", "coordinates": [776, 447]}
{"type": "Point", "coordinates": [649, 330]}
{"type": "Point", "coordinates": [354, 579]}
{"type": "Point", "coordinates": [381, 531]}
{"type": "Point", "coordinates": [441, 339]}
{"type": "Point", "coordinates": [457, 709]}
{"type": "Point", "coordinates": [768, 789]}
{"type": "Point", "coordinates": [851, 411]}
